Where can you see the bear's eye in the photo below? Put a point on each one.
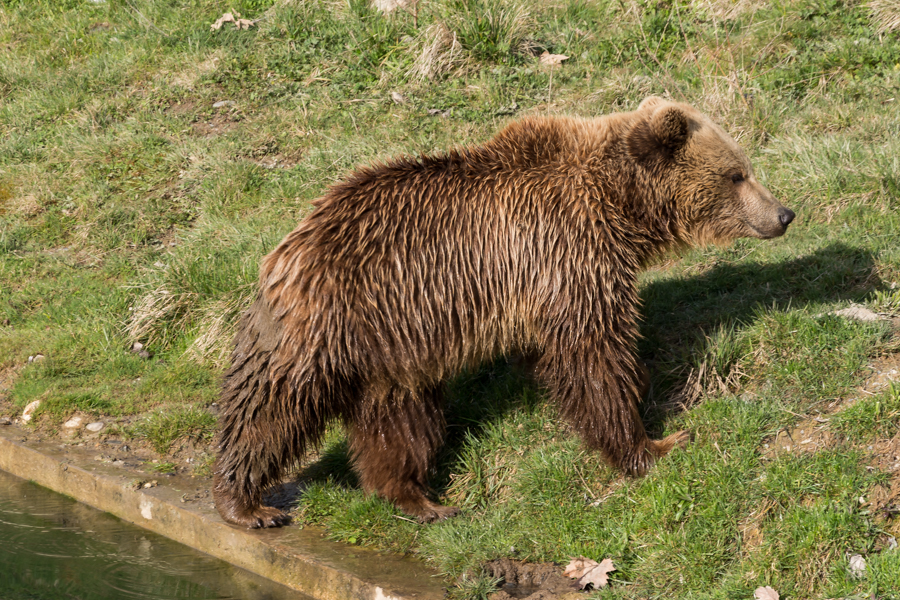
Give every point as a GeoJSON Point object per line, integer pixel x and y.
{"type": "Point", "coordinates": [737, 178]}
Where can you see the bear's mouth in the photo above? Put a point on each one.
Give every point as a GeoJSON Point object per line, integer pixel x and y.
{"type": "Point", "coordinates": [779, 231]}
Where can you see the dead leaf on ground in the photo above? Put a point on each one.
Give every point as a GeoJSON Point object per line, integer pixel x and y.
{"type": "Point", "coordinates": [765, 593]}
{"type": "Point", "coordinates": [398, 98]}
{"type": "Point", "coordinates": [552, 60]}
{"type": "Point", "coordinates": [235, 18]}
{"type": "Point", "coordinates": [589, 572]}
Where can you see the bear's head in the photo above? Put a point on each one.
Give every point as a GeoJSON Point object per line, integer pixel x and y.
{"type": "Point", "coordinates": [705, 173]}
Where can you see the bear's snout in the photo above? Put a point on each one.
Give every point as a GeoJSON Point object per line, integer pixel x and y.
{"type": "Point", "coordinates": [763, 215]}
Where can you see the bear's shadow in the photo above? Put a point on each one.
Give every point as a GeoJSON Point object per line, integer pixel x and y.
{"type": "Point", "coordinates": [677, 313]}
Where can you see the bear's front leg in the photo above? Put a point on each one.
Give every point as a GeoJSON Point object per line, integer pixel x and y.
{"type": "Point", "coordinates": [597, 385]}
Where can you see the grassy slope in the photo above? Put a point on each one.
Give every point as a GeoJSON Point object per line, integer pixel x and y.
{"type": "Point", "coordinates": [133, 210]}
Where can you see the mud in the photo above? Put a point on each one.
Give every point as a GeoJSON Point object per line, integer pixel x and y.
{"type": "Point", "coordinates": [531, 581]}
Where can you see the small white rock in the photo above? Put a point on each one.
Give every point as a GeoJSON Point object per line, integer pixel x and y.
{"type": "Point", "coordinates": [857, 566]}
{"type": "Point", "coordinates": [95, 427]}
{"type": "Point", "coordinates": [860, 313]}
{"type": "Point", "coordinates": [29, 410]}
{"type": "Point", "coordinates": [223, 103]}
{"type": "Point", "coordinates": [73, 423]}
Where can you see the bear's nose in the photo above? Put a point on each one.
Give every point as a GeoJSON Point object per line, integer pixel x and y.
{"type": "Point", "coordinates": [786, 215]}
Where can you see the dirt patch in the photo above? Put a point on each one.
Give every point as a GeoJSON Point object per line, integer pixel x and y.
{"type": "Point", "coordinates": [530, 581]}
{"type": "Point", "coordinates": [884, 500]}
{"type": "Point", "coordinates": [882, 455]}
{"type": "Point", "coordinates": [807, 436]}
{"type": "Point", "coordinates": [813, 432]}
{"type": "Point", "coordinates": [220, 123]}
{"type": "Point", "coordinates": [268, 154]}
{"type": "Point", "coordinates": [188, 107]}
{"type": "Point", "coordinates": [884, 372]}
{"type": "Point", "coordinates": [751, 528]}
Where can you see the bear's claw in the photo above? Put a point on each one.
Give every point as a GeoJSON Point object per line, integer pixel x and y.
{"type": "Point", "coordinates": [436, 513]}
{"type": "Point", "coordinates": [259, 517]}
{"type": "Point", "coordinates": [678, 439]}
{"type": "Point", "coordinates": [426, 511]}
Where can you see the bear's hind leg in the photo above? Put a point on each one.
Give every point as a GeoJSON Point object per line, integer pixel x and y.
{"type": "Point", "coordinates": [255, 448]}
{"type": "Point", "coordinates": [262, 433]}
{"type": "Point", "coordinates": [394, 438]}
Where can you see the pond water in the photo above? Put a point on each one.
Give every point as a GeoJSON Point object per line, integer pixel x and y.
{"type": "Point", "coordinates": [54, 548]}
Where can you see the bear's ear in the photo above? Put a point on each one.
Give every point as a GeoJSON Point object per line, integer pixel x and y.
{"type": "Point", "coordinates": [650, 102]}
{"type": "Point", "coordinates": [659, 135]}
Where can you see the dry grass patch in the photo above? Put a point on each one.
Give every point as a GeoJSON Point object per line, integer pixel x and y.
{"type": "Point", "coordinates": [885, 15]}
{"type": "Point", "coordinates": [188, 76]}
{"type": "Point", "coordinates": [728, 10]}
{"type": "Point", "coordinates": [217, 328]}
{"type": "Point", "coordinates": [437, 52]}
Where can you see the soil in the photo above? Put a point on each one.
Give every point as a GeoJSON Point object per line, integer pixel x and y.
{"type": "Point", "coordinates": [219, 123]}
{"type": "Point", "coordinates": [530, 581]}
{"type": "Point", "coordinates": [813, 433]}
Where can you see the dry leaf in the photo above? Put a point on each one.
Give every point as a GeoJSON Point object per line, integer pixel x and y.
{"type": "Point", "coordinates": [765, 593]}
{"type": "Point", "coordinates": [235, 18]}
{"type": "Point", "coordinates": [225, 18]}
{"type": "Point", "coordinates": [589, 572]}
{"type": "Point", "coordinates": [398, 98]}
{"type": "Point", "coordinates": [552, 60]}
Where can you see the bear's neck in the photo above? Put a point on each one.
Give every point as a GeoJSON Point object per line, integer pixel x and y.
{"type": "Point", "coordinates": [583, 162]}
{"type": "Point", "coordinates": [637, 206]}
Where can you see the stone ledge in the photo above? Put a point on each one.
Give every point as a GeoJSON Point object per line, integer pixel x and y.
{"type": "Point", "coordinates": [300, 559]}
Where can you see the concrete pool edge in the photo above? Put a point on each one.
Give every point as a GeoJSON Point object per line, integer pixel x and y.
{"type": "Point", "coordinates": [299, 558]}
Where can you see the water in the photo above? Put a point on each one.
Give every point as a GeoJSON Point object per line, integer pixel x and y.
{"type": "Point", "coordinates": [54, 548]}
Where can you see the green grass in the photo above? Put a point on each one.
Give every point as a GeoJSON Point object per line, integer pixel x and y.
{"type": "Point", "coordinates": [164, 428]}
{"type": "Point", "coordinates": [132, 209]}
{"type": "Point", "coordinates": [871, 417]}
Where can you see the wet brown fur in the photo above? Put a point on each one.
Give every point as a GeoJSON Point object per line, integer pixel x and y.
{"type": "Point", "coordinates": [410, 271]}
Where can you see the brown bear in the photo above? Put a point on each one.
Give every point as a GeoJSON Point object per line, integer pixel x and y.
{"type": "Point", "coordinates": [410, 271]}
